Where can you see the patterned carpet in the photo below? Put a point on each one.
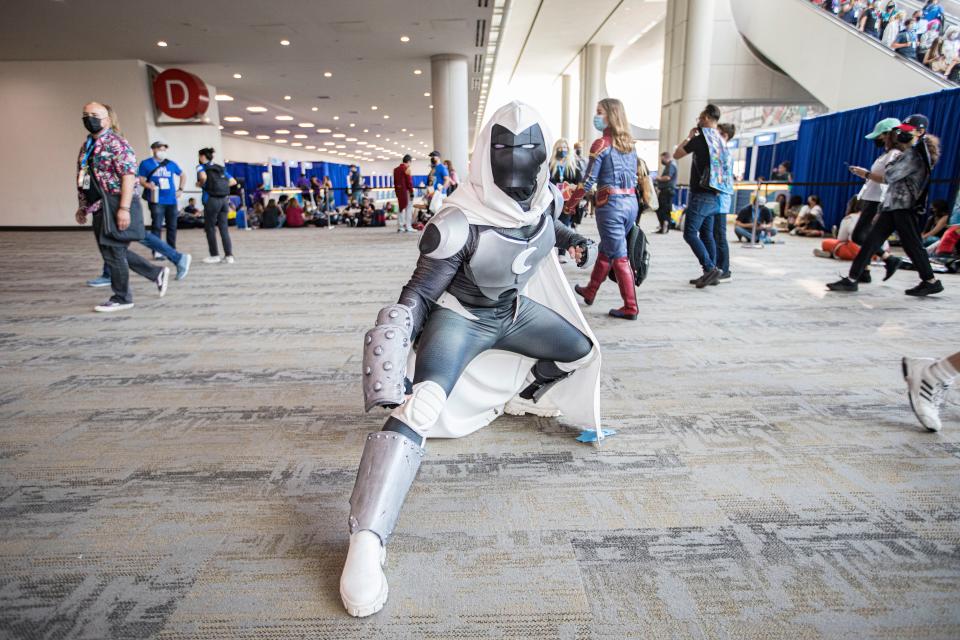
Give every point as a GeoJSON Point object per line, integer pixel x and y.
{"type": "Point", "coordinates": [182, 470]}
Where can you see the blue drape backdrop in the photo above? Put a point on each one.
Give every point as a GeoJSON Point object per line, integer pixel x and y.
{"type": "Point", "coordinates": [827, 141]}
{"type": "Point", "coordinates": [252, 175]}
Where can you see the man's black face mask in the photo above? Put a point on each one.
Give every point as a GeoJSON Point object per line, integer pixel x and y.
{"type": "Point", "coordinates": [516, 160]}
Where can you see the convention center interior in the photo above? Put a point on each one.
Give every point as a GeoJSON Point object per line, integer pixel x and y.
{"type": "Point", "coordinates": [480, 319]}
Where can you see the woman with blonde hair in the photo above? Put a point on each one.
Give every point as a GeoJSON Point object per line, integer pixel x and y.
{"type": "Point", "coordinates": [613, 170]}
{"type": "Point", "coordinates": [564, 169]}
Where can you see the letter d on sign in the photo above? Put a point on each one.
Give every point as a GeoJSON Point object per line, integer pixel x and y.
{"type": "Point", "coordinates": [180, 95]}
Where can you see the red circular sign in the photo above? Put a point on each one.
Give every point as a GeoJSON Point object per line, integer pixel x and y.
{"type": "Point", "coordinates": [180, 94]}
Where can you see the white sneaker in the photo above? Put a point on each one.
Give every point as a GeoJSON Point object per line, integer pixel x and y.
{"type": "Point", "coordinates": [211, 260]}
{"type": "Point", "coordinates": [925, 392]}
{"type": "Point", "coordinates": [163, 280]}
{"type": "Point", "coordinates": [229, 259]}
{"type": "Point", "coordinates": [110, 306]}
{"type": "Point", "coordinates": [521, 406]}
{"type": "Point", "coordinates": [363, 585]}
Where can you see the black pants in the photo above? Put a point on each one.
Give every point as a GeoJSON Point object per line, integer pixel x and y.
{"type": "Point", "coordinates": [867, 213]}
{"type": "Point", "coordinates": [215, 212]}
{"type": "Point", "coordinates": [450, 341]}
{"type": "Point", "coordinates": [665, 198]}
{"type": "Point", "coordinates": [164, 215]}
{"type": "Point", "coordinates": [120, 260]}
{"type": "Point", "coordinates": [906, 224]}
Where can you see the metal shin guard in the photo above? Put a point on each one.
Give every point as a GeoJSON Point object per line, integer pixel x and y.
{"type": "Point", "coordinates": [388, 466]}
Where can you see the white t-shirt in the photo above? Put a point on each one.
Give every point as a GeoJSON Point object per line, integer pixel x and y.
{"type": "Point", "coordinates": [847, 225]}
{"type": "Point", "coordinates": [873, 191]}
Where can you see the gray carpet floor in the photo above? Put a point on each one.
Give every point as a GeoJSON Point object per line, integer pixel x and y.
{"type": "Point", "coordinates": [183, 470]}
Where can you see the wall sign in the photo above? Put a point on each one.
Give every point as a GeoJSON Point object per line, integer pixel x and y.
{"type": "Point", "coordinates": [179, 94]}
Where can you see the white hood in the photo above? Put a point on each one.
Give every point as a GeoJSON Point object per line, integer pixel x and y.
{"type": "Point", "coordinates": [480, 199]}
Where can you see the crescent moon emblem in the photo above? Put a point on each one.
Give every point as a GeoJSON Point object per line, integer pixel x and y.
{"type": "Point", "coordinates": [520, 265]}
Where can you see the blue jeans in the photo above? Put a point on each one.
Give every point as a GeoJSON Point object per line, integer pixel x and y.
{"type": "Point", "coordinates": [153, 243]}
{"type": "Point", "coordinates": [698, 228]}
{"type": "Point", "coordinates": [722, 255]}
{"type": "Point", "coordinates": [164, 215]}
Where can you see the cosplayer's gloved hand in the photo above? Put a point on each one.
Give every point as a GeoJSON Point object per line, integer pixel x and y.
{"type": "Point", "coordinates": [589, 252]}
{"type": "Point", "coordinates": [385, 351]}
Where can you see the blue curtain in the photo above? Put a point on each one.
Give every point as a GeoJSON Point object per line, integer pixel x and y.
{"type": "Point", "coordinates": [746, 164]}
{"type": "Point", "coordinates": [250, 175]}
{"type": "Point", "coordinates": [826, 142]}
{"type": "Point", "coordinates": [279, 176]}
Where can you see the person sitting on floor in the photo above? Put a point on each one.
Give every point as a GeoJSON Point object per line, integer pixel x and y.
{"type": "Point", "coordinates": [843, 247]}
{"type": "Point", "coordinates": [743, 225]}
{"type": "Point", "coordinates": [793, 212]}
{"type": "Point", "coordinates": [191, 217]}
{"type": "Point", "coordinates": [810, 221]}
{"type": "Point", "coordinates": [293, 213]}
{"type": "Point", "coordinates": [256, 215]}
{"type": "Point", "coordinates": [272, 217]}
{"type": "Point", "coordinates": [938, 222]}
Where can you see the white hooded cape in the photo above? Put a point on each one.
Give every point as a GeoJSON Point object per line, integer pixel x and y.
{"type": "Point", "coordinates": [494, 377]}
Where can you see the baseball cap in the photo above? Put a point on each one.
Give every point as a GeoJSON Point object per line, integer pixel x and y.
{"type": "Point", "coordinates": [434, 153]}
{"type": "Point", "coordinates": [917, 121]}
{"type": "Point", "coordinates": [884, 126]}
{"type": "Point", "coordinates": [159, 143]}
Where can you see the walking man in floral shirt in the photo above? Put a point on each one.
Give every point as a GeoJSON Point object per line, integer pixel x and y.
{"type": "Point", "coordinates": [107, 169]}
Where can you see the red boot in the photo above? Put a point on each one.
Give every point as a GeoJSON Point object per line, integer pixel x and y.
{"type": "Point", "coordinates": [600, 270]}
{"type": "Point", "coordinates": [629, 310]}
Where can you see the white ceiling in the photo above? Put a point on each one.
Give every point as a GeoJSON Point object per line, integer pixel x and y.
{"type": "Point", "coordinates": [357, 41]}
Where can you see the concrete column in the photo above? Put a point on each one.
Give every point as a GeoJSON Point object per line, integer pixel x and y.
{"type": "Point", "coordinates": [448, 81]}
{"type": "Point", "coordinates": [593, 87]}
{"type": "Point", "coordinates": [697, 61]}
{"type": "Point", "coordinates": [566, 115]}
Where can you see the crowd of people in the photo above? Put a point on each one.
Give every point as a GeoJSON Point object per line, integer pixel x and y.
{"type": "Point", "coordinates": [923, 35]}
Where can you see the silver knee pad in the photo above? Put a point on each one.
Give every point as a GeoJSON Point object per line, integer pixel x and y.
{"type": "Point", "coordinates": [388, 467]}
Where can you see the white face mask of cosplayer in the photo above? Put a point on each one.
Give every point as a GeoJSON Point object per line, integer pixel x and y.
{"type": "Point", "coordinates": [160, 155]}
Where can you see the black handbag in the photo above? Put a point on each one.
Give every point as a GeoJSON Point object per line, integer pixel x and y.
{"type": "Point", "coordinates": [111, 205]}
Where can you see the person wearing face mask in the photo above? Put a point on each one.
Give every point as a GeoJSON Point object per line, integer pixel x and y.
{"type": "Point", "coordinates": [579, 158]}
{"type": "Point", "coordinates": [106, 187]}
{"type": "Point", "coordinates": [563, 170]}
{"type": "Point", "coordinates": [666, 188]}
{"type": "Point", "coordinates": [907, 176]}
{"type": "Point", "coordinates": [613, 170]}
{"type": "Point", "coordinates": [215, 181]}
{"type": "Point", "coordinates": [163, 182]}
{"type": "Point", "coordinates": [486, 301]}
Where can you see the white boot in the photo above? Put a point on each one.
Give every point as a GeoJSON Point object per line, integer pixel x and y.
{"type": "Point", "coordinates": [521, 406]}
{"type": "Point", "coordinates": [363, 586]}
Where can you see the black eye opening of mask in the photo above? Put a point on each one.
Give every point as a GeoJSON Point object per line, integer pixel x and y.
{"type": "Point", "coordinates": [516, 159]}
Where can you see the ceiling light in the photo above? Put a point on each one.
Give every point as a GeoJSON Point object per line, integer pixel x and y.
{"type": "Point", "coordinates": [256, 109]}
{"type": "Point", "coordinates": [327, 74]}
{"type": "Point", "coordinates": [237, 76]}
{"type": "Point", "coordinates": [323, 130]}
{"type": "Point", "coordinates": [387, 139]}
{"type": "Point", "coordinates": [411, 135]}
{"type": "Point", "coordinates": [241, 132]}
{"type": "Point", "coordinates": [281, 140]}
{"type": "Point", "coordinates": [306, 125]}
{"type": "Point", "coordinates": [296, 144]}
{"type": "Point", "coordinates": [329, 143]}
{"type": "Point", "coordinates": [386, 117]}
{"type": "Point", "coordinates": [301, 136]}
{"type": "Point", "coordinates": [285, 43]}
{"type": "Point", "coordinates": [340, 146]}
{"type": "Point", "coordinates": [417, 72]}
{"type": "Point", "coordinates": [220, 126]}
{"type": "Point", "coordinates": [431, 106]}
{"type": "Point", "coordinates": [223, 97]}
{"type": "Point", "coordinates": [351, 139]}
{"type": "Point", "coordinates": [161, 43]}
{"type": "Point", "coordinates": [377, 136]}
{"type": "Point", "coordinates": [426, 94]}
{"type": "Point", "coordinates": [339, 135]}
{"type": "Point", "coordinates": [366, 130]}
{"type": "Point", "coordinates": [287, 98]}
{"type": "Point", "coordinates": [404, 38]}
{"type": "Point", "coordinates": [403, 130]}
{"type": "Point", "coordinates": [284, 131]}
{"type": "Point", "coordinates": [263, 137]}
{"type": "Point", "coordinates": [374, 107]}
{"type": "Point", "coordinates": [314, 108]}
{"type": "Point", "coordinates": [284, 117]}
{"type": "Point", "coordinates": [336, 117]}
{"type": "Point", "coordinates": [310, 146]}
{"type": "Point", "coordinates": [233, 119]}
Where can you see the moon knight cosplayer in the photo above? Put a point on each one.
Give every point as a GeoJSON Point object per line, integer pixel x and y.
{"type": "Point", "coordinates": [496, 329]}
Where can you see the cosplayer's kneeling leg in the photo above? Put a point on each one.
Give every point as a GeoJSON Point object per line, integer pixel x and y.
{"type": "Point", "coordinates": [390, 461]}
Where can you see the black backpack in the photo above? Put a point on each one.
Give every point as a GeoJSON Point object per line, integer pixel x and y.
{"type": "Point", "coordinates": [639, 254]}
{"type": "Point", "coordinates": [217, 185]}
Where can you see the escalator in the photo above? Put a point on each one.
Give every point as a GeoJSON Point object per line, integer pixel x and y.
{"type": "Point", "coordinates": [840, 66]}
